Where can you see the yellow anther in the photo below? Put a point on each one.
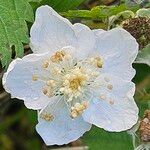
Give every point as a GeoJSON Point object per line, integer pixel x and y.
{"type": "Point", "coordinates": [77, 105]}
{"type": "Point", "coordinates": [78, 109]}
{"type": "Point", "coordinates": [111, 102]}
{"type": "Point", "coordinates": [58, 56]}
{"type": "Point", "coordinates": [96, 61]}
{"type": "Point", "coordinates": [77, 81]}
{"type": "Point", "coordinates": [72, 108]}
{"type": "Point", "coordinates": [110, 86]}
{"type": "Point", "coordinates": [50, 94]}
{"type": "Point", "coordinates": [106, 79]}
{"type": "Point", "coordinates": [62, 90]}
{"type": "Point", "coordinates": [102, 96]}
{"type": "Point", "coordinates": [47, 117]}
{"type": "Point", "coordinates": [34, 77]}
{"type": "Point", "coordinates": [44, 90]}
{"type": "Point", "coordinates": [74, 114]}
{"type": "Point", "coordinates": [56, 70]}
{"type": "Point", "coordinates": [67, 76]}
{"type": "Point", "coordinates": [85, 104]}
{"type": "Point", "coordinates": [99, 62]}
{"type": "Point", "coordinates": [95, 74]}
{"type": "Point", "coordinates": [51, 83]}
{"type": "Point", "coordinates": [67, 57]}
{"type": "Point", "coordinates": [45, 65]}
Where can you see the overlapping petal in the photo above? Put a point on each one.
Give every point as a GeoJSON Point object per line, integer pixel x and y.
{"type": "Point", "coordinates": [85, 38]}
{"type": "Point", "coordinates": [119, 49]}
{"type": "Point", "coordinates": [62, 129]}
{"type": "Point", "coordinates": [51, 32]}
{"type": "Point", "coordinates": [116, 110]}
{"type": "Point", "coordinates": [18, 80]}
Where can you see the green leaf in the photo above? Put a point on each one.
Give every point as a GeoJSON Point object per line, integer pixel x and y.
{"type": "Point", "coordinates": [96, 13]}
{"type": "Point", "coordinates": [144, 56]}
{"type": "Point", "coordinates": [37, 1]}
{"type": "Point", "coordinates": [98, 139]}
{"type": "Point", "coordinates": [59, 5]}
{"type": "Point", "coordinates": [116, 20]}
{"type": "Point", "coordinates": [13, 28]}
{"type": "Point", "coordinates": [143, 12]}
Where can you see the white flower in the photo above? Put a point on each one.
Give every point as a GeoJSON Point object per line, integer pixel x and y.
{"type": "Point", "coordinates": [75, 77]}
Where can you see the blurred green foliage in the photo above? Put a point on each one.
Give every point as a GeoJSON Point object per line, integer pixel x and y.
{"type": "Point", "coordinates": [144, 55]}
{"type": "Point", "coordinates": [59, 5]}
{"type": "Point", "coordinates": [97, 13]}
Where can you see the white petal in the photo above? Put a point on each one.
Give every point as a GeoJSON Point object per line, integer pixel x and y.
{"type": "Point", "coordinates": [117, 111]}
{"type": "Point", "coordinates": [119, 87]}
{"type": "Point", "coordinates": [74, 52]}
{"type": "Point", "coordinates": [37, 104]}
{"type": "Point", "coordinates": [62, 129]}
{"type": "Point", "coordinates": [118, 49]}
{"type": "Point", "coordinates": [97, 32]}
{"type": "Point", "coordinates": [18, 80]}
{"type": "Point", "coordinates": [50, 31]}
{"type": "Point", "coordinates": [86, 39]}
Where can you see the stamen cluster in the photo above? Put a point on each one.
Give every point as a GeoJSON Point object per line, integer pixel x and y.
{"type": "Point", "coordinates": [69, 78]}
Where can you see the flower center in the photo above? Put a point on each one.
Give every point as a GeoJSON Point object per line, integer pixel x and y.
{"type": "Point", "coordinates": [76, 83]}
{"type": "Point", "coordinates": [70, 78]}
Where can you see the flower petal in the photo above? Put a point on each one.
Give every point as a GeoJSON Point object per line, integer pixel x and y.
{"type": "Point", "coordinates": [97, 32]}
{"type": "Point", "coordinates": [62, 129]}
{"type": "Point", "coordinates": [118, 49]}
{"type": "Point", "coordinates": [18, 80]}
{"type": "Point", "coordinates": [86, 39]}
{"type": "Point", "coordinates": [37, 104]}
{"type": "Point", "coordinates": [50, 31]}
{"type": "Point", "coordinates": [116, 110]}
